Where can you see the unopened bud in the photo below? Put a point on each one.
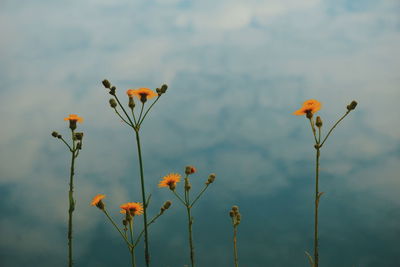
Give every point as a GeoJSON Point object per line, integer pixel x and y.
{"type": "Point", "coordinates": [79, 145]}
{"type": "Point", "coordinates": [106, 83]}
{"type": "Point", "coordinates": [188, 186]}
{"type": "Point", "coordinates": [125, 222]}
{"type": "Point", "coordinates": [113, 103]}
{"type": "Point", "coordinates": [318, 122]}
{"type": "Point", "coordinates": [190, 170]}
{"type": "Point", "coordinates": [112, 90]}
{"type": "Point", "coordinates": [211, 179]}
{"type": "Point", "coordinates": [166, 205]}
{"type": "Point", "coordinates": [78, 136]}
{"type": "Point", "coordinates": [59, 136]}
{"type": "Point", "coordinates": [231, 213]}
{"type": "Point", "coordinates": [131, 103]}
{"type": "Point", "coordinates": [352, 105]}
{"type": "Point", "coordinates": [54, 134]}
{"type": "Point", "coordinates": [158, 90]}
{"type": "Point", "coordinates": [235, 208]}
{"type": "Point", "coordinates": [164, 88]}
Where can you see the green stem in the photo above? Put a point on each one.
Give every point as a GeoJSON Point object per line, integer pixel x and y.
{"type": "Point", "coordinates": [141, 233]}
{"type": "Point", "coordinates": [202, 191]}
{"type": "Point", "coordinates": [146, 236]}
{"type": "Point", "coordinates": [183, 202]}
{"type": "Point", "coordinates": [333, 127]}
{"type": "Point", "coordinates": [317, 196]}
{"type": "Point", "coordinates": [132, 249]}
{"type": "Point", "coordinates": [122, 107]}
{"type": "Point", "coordinates": [145, 114]}
{"type": "Point", "coordinates": [69, 147]}
{"type": "Point", "coordinates": [141, 111]}
{"type": "Point", "coordinates": [190, 223]}
{"type": "Point", "coordinates": [116, 227]}
{"type": "Point", "coordinates": [71, 200]}
{"type": "Point", "coordinates": [313, 130]}
{"type": "Point", "coordinates": [234, 244]}
{"type": "Point", "coordinates": [116, 111]}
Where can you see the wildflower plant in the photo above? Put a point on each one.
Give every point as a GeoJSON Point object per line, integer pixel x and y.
{"type": "Point", "coordinates": [130, 210]}
{"type": "Point", "coordinates": [135, 121]}
{"type": "Point", "coordinates": [236, 218]}
{"type": "Point", "coordinates": [309, 108]}
{"type": "Point", "coordinates": [171, 181]}
{"type": "Point", "coordinates": [74, 148]}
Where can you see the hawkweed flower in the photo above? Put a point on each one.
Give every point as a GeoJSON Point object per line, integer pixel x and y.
{"type": "Point", "coordinates": [235, 217]}
{"type": "Point", "coordinates": [170, 181]}
{"type": "Point", "coordinates": [134, 119]}
{"type": "Point", "coordinates": [98, 201]}
{"type": "Point", "coordinates": [74, 148]}
{"type": "Point", "coordinates": [133, 208]}
{"type": "Point", "coordinates": [309, 108]}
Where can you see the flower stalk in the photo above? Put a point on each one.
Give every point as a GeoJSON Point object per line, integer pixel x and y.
{"type": "Point", "coordinates": [236, 217]}
{"type": "Point", "coordinates": [309, 108]}
{"type": "Point", "coordinates": [76, 146]}
{"type": "Point", "coordinates": [142, 94]}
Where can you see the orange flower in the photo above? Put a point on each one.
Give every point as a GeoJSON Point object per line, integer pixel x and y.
{"type": "Point", "coordinates": [74, 117]}
{"type": "Point", "coordinates": [142, 93]}
{"type": "Point", "coordinates": [311, 106]}
{"type": "Point", "coordinates": [97, 201]}
{"type": "Point", "coordinates": [170, 180]}
{"type": "Point", "coordinates": [134, 208]}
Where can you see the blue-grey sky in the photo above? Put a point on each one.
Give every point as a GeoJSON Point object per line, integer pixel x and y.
{"type": "Point", "coordinates": [236, 71]}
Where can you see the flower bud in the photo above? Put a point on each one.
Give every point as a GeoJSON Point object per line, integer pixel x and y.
{"type": "Point", "coordinates": [113, 103]}
{"type": "Point", "coordinates": [167, 204]}
{"type": "Point", "coordinates": [352, 105]}
{"type": "Point", "coordinates": [78, 136]}
{"type": "Point", "coordinates": [112, 90]}
{"type": "Point", "coordinates": [131, 103]}
{"type": "Point", "coordinates": [188, 186]}
{"type": "Point", "coordinates": [106, 83]}
{"type": "Point", "coordinates": [235, 208]}
{"type": "Point", "coordinates": [231, 213]}
{"type": "Point", "coordinates": [211, 179]}
{"type": "Point", "coordinates": [59, 136]}
{"type": "Point", "coordinates": [54, 134]}
{"type": "Point", "coordinates": [190, 170]}
{"type": "Point", "coordinates": [79, 145]}
{"type": "Point", "coordinates": [125, 222]}
{"type": "Point", "coordinates": [318, 122]}
{"type": "Point", "coordinates": [164, 88]}
{"type": "Point", "coordinates": [158, 90]}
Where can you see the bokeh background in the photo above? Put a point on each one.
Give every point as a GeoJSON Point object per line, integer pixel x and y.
{"type": "Point", "coordinates": [236, 71]}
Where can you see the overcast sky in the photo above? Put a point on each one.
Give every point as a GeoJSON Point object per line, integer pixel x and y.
{"type": "Point", "coordinates": [236, 71]}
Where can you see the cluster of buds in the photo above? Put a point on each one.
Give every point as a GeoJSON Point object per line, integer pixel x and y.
{"type": "Point", "coordinates": [56, 135]}
{"type": "Point", "coordinates": [235, 215]}
{"type": "Point", "coordinates": [352, 105]}
{"type": "Point", "coordinates": [211, 179]}
{"type": "Point", "coordinates": [166, 206]}
{"type": "Point", "coordinates": [108, 85]}
{"type": "Point", "coordinates": [162, 90]}
{"type": "Point", "coordinates": [78, 137]}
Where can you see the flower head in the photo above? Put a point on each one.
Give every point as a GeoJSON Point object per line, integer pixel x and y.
{"type": "Point", "coordinates": [134, 208]}
{"type": "Point", "coordinates": [74, 117]}
{"type": "Point", "coordinates": [142, 93]}
{"type": "Point", "coordinates": [97, 201]}
{"type": "Point", "coordinates": [309, 107]}
{"type": "Point", "coordinates": [170, 180]}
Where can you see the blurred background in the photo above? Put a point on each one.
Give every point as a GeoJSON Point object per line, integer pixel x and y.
{"type": "Point", "coordinates": [236, 71]}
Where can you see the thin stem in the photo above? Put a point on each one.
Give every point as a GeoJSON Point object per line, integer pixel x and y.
{"type": "Point", "coordinates": [69, 147]}
{"type": "Point", "coordinates": [183, 202]}
{"type": "Point", "coordinates": [116, 227]}
{"type": "Point", "coordinates": [317, 196]}
{"type": "Point", "coordinates": [141, 233]}
{"type": "Point", "coordinates": [122, 107]}
{"type": "Point", "coordinates": [190, 223]}
{"type": "Point", "coordinates": [116, 111]}
{"type": "Point", "coordinates": [333, 127]}
{"type": "Point", "coordinates": [235, 254]}
{"type": "Point", "coordinates": [201, 193]}
{"type": "Point", "coordinates": [145, 114]}
{"type": "Point", "coordinates": [134, 117]}
{"type": "Point", "coordinates": [313, 130]}
{"type": "Point", "coordinates": [146, 235]}
{"type": "Point", "coordinates": [132, 249]}
{"type": "Point", "coordinates": [140, 114]}
{"type": "Point", "coordinates": [71, 200]}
